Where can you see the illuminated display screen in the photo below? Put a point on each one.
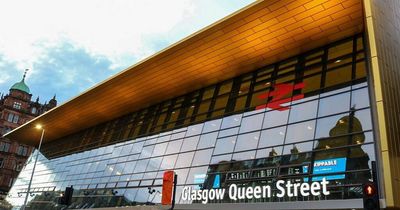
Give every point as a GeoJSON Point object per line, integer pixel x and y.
{"type": "Point", "coordinates": [328, 166]}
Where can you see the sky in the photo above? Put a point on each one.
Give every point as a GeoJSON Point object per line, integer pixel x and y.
{"type": "Point", "coordinates": [71, 45]}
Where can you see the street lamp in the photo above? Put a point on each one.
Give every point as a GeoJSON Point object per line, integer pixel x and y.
{"type": "Point", "coordinates": [39, 127]}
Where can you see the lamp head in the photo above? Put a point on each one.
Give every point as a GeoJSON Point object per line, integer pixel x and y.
{"type": "Point", "coordinates": [38, 126]}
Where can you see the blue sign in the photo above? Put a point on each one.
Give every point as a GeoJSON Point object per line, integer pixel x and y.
{"type": "Point", "coordinates": [217, 181]}
{"type": "Point", "coordinates": [327, 166]}
{"type": "Point", "coordinates": [199, 180]}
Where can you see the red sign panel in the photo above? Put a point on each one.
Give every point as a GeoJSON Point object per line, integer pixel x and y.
{"type": "Point", "coordinates": [167, 187]}
{"type": "Point", "coordinates": [278, 96]}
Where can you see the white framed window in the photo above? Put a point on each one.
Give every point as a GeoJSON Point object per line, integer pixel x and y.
{"type": "Point", "coordinates": [10, 117]}
{"type": "Point", "coordinates": [33, 110]}
{"type": "Point", "coordinates": [17, 105]}
{"type": "Point", "coordinates": [22, 150]}
{"type": "Point", "coordinates": [4, 146]}
{"type": "Point", "coordinates": [16, 118]}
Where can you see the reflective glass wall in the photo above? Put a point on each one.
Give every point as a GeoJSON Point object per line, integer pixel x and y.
{"type": "Point", "coordinates": [324, 69]}
{"type": "Point", "coordinates": [297, 119]}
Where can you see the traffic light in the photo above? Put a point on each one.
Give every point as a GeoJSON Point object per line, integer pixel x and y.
{"type": "Point", "coordinates": [370, 196]}
{"type": "Point", "coordinates": [66, 197]}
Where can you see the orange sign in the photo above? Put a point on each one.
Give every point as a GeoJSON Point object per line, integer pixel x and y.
{"type": "Point", "coordinates": [167, 187]}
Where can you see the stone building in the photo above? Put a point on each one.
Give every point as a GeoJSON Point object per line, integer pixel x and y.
{"type": "Point", "coordinates": [16, 108]}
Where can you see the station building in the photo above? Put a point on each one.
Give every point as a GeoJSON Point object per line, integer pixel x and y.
{"type": "Point", "coordinates": [288, 91]}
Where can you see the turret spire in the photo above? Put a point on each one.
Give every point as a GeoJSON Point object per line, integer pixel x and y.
{"type": "Point", "coordinates": [23, 78]}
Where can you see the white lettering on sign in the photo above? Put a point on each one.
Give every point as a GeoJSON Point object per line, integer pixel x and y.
{"type": "Point", "coordinates": [236, 193]}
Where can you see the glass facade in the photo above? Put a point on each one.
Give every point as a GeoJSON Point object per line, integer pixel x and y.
{"type": "Point", "coordinates": [281, 122]}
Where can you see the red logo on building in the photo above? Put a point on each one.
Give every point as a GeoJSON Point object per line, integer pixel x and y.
{"type": "Point", "coordinates": [278, 96]}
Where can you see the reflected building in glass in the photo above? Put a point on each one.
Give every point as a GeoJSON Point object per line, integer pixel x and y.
{"type": "Point", "coordinates": [297, 111]}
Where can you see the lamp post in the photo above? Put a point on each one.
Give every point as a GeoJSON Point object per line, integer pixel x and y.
{"type": "Point", "coordinates": [34, 165]}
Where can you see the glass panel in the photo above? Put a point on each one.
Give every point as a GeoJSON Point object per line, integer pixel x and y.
{"type": "Point", "coordinates": [228, 132]}
{"type": "Point", "coordinates": [182, 174]}
{"type": "Point", "coordinates": [225, 88]}
{"type": "Point", "coordinates": [257, 98]}
{"type": "Point", "coordinates": [332, 126]}
{"type": "Point", "coordinates": [212, 125]}
{"type": "Point", "coordinates": [360, 70]}
{"type": "Point", "coordinates": [194, 130]}
{"type": "Point", "coordinates": [174, 147]}
{"type": "Point", "coordinates": [142, 195]}
{"type": "Point", "coordinates": [159, 149]}
{"type": "Point", "coordinates": [221, 159]}
{"type": "Point", "coordinates": [207, 140]}
{"type": "Point", "coordinates": [154, 164]}
{"type": "Point", "coordinates": [208, 93]}
{"type": "Point", "coordinates": [340, 50]}
{"type": "Point", "coordinates": [225, 145]}
{"type": "Point", "coordinates": [300, 132]}
{"type": "Point", "coordinates": [362, 120]}
{"type": "Point", "coordinates": [231, 121]}
{"type": "Point", "coordinates": [269, 152]}
{"type": "Point", "coordinates": [272, 137]}
{"type": "Point", "coordinates": [247, 141]}
{"type": "Point", "coordinates": [190, 143]}
{"type": "Point", "coordinates": [360, 98]}
{"type": "Point", "coordinates": [311, 84]}
{"type": "Point", "coordinates": [275, 118]}
{"type": "Point", "coordinates": [298, 148]}
{"type": "Point", "coordinates": [164, 138]}
{"type": "Point", "coordinates": [251, 123]}
{"type": "Point", "coordinates": [240, 103]}
{"type": "Point", "coordinates": [303, 111]}
{"type": "Point", "coordinates": [338, 76]}
{"type": "Point", "coordinates": [146, 152]}
{"type": "Point", "coordinates": [221, 102]}
{"type": "Point", "coordinates": [168, 162]}
{"type": "Point", "coordinates": [141, 165]}
{"type": "Point", "coordinates": [184, 160]}
{"type": "Point", "coordinates": [197, 175]}
{"type": "Point", "coordinates": [244, 155]}
{"type": "Point", "coordinates": [334, 104]}
{"type": "Point", "coordinates": [202, 157]}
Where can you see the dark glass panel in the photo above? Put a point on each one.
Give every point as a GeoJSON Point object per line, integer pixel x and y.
{"type": "Point", "coordinates": [338, 76]}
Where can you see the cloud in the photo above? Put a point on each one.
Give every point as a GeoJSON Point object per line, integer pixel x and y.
{"type": "Point", "coordinates": [66, 70]}
{"type": "Point", "coordinates": [70, 45]}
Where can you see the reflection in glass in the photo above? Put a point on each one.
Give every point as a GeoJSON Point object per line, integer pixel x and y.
{"type": "Point", "coordinates": [202, 157]}
{"type": "Point", "coordinates": [324, 125]}
{"type": "Point", "coordinates": [174, 147]}
{"type": "Point", "coordinates": [300, 132]}
{"type": "Point", "coordinates": [251, 123]}
{"type": "Point", "coordinates": [225, 145]}
{"type": "Point", "coordinates": [244, 155]}
{"type": "Point", "coordinates": [207, 140]}
{"type": "Point", "coordinates": [360, 98]}
{"type": "Point", "coordinates": [272, 137]}
{"type": "Point", "coordinates": [303, 111]}
{"type": "Point", "coordinates": [275, 118]}
{"type": "Point", "coordinates": [212, 125]}
{"type": "Point", "coordinates": [269, 152]}
{"type": "Point", "coordinates": [247, 141]}
{"type": "Point", "coordinates": [190, 143]}
{"type": "Point", "coordinates": [231, 121]}
{"type": "Point", "coordinates": [184, 160]}
{"type": "Point", "coordinates": [221, 158]}
{"type": "Point", "coordinates": [168, 162]}
{"type": "Point", "coordinates": [334, 104]}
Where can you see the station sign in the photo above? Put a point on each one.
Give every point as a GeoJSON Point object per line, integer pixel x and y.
{"type": "Point", "coordinates": [282, 188]}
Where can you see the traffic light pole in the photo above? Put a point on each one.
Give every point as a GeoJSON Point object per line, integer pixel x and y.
{"type": "Point", "coordinates": [174, 192]}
